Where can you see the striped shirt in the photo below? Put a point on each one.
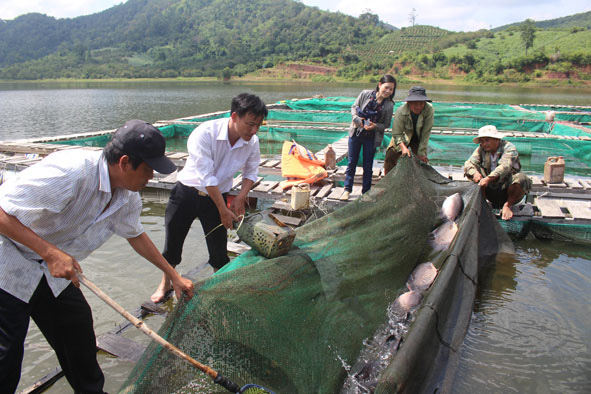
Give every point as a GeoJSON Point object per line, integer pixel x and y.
{"type": "Point", "coordinates": [67, 200]}
{"type": "Point", "coordinates": [213, 161]}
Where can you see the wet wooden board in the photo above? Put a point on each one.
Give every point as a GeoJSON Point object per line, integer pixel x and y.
{"type": "Point", "coordinates": [536, 181]}
{"type": "Point", "coordinates": [177, 155]}
{"type": "Point", "coordinates": [290, 221]}
{"type": "Point", "coordinates": [271, 163]}
{"type": "Point", "coordinates": [578, 209]}
{"type": "Point", "coordinates": [120, 346]}
{"type": "Point", "coordinates": [279, 191]}
{"type": "Point", "coordinates": [237, 181]}
{"type": "Point", "coordinates": [335, 193]}
{"type": "Point", "coordinates": [573, 183]}
{"type": "Point", "coordinates": [355, 192]}
{"type": "Point", "coordinates": [549, 208]}
{"type": "Point", "coordinates": [523, 210]}
{"type": "Point", "coordinates": [265, 186]}
{"type": "Point", "coordinates": [150, 307]}
{"type": "Point", "coordinates": [171, 178]}
{"type": "Point", "coordinates": [45, 382]}
{"type": "Point", "coordinates": [284, 205]}
{"type": "Point", "coordinates": [324, 191]}
{"type": "Point", "coordinates": [560, 185]}
{"type": "Point", "coordinates": [586, 185]}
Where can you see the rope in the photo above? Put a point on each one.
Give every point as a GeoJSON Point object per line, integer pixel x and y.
{"type": "Point", "coordinates": [221, 224]}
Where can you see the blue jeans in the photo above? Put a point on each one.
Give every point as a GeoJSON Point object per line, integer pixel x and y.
{"type": "Point", "coordinates": [355, 144]}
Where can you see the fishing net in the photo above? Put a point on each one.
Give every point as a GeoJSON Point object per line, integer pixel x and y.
{"type": "Point", "coordinates": [315, 123]}
{"type": "Point", "coordinates": [533, 152]}
{"type": "Point", "coordinates": [580, 233]}
{"type": "Point", "coordinates": [297, 323]}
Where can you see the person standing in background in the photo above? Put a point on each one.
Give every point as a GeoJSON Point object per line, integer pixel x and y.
{"type": "Point", "coordinates": [371, 115]}
{"type": "Point", "coordinates": [411, 130]}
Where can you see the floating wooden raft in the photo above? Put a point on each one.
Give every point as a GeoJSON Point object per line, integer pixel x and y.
{"type": "Point", "coordinates": [26, 152]}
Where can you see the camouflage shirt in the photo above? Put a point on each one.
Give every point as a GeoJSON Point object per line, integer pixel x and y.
{"type": "Point", "coordinates": [505, 163]}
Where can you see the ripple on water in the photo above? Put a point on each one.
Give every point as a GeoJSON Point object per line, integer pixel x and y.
{"type": "Point", "coordinates": [530, 332]}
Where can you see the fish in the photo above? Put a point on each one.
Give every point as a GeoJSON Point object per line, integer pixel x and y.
{"type": "Point", "coordinates": [452, 207]}
{"type": "Point", "coordinates": [422, 277]}
{"type": "Point", "coordinates": [441, 237]}
{"type": "Point", "coordinates": [407, 301]}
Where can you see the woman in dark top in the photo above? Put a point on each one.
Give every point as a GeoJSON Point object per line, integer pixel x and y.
{"type": "Point", "coordinates": [372, 114]}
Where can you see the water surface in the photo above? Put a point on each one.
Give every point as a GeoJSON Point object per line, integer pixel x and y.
{"type": "Point", "coordinates": [530, 330]}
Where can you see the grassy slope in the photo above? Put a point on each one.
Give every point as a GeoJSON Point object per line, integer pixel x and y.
{"type": "Point", "coordinates": [411, 38]}
{"type": "Point", "coordinates": [504, 47]}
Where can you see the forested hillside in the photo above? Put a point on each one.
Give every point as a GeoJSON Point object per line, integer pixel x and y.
{"type": "Point", "coordinates": [179, 37]}
{"type": "Point", "coordinates": [284, 39]}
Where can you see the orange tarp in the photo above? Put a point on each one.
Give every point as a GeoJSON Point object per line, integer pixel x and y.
{"type": "Point", "coordinates": [299, 165]}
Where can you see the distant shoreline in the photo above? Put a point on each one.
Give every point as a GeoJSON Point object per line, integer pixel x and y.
{"type": "Point", "coordinates": [548, 83]}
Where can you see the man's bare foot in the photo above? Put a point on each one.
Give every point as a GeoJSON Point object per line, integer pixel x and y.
{"type": "Point", "coordinates": [164, 287]}
{"type": "Point", "coordinates": [507, 212]}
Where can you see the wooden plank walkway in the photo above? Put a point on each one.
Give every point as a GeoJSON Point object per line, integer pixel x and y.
{"type": "Point", "coordinates": [564, 201]}
{"type": "Point", "coordinates": [23, 153]}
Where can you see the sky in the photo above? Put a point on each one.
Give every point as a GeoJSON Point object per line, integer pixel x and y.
{"type": "Point", "coordinates": [455, 15]}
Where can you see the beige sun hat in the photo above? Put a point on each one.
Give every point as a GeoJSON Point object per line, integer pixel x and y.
{"type": "Point", "coordinates": [489, 131]}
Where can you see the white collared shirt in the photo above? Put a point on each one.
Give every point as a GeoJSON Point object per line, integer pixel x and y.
{"type": "Point", "coordinates": [494, 160]}
{"type": "Point", "coordinates": [213, 162]}
{"type": "Point", "coordinates": [63, 199]}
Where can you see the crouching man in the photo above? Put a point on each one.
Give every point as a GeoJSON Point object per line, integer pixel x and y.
{"type": "Point", "coordinates": [495, 167]}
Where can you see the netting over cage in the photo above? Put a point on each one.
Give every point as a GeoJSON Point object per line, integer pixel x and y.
{"type": "Point", "coordinates": [293, 323]}
{"type": "Point", "coordinates": [315, 123]}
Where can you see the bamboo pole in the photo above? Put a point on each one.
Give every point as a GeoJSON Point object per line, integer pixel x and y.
{"type": "Point", "coordinates": [144, 327]}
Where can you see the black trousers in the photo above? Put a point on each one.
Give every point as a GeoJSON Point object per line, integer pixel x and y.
{"type": "Point", "coordinates": [184, 206]}
{"type": "Point", "coordinates": [66, 323]}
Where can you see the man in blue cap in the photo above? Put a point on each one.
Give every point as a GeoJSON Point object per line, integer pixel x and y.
{"type": "Point", "coordinates": [53, 215]}
{"type": "Point", "coordinates": [411, 130]}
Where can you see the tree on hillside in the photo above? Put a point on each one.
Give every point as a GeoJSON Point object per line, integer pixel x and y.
{"type": "Point", "coordinates": [528, 33]}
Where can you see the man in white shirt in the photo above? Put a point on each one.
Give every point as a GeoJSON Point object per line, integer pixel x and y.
{"type": "Point", "coordinates": [217, 150]}
{"type": "Point", "coordinates": [55, 214]}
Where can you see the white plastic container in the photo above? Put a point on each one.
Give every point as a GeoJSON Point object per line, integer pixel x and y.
{"type": "Point", "coordinates": [300, 196]}
{"type": "Point", "coordinates": [554, 169]}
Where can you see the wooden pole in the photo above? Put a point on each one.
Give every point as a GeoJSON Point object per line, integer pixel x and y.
{"type": "Point", "coordinates": [144, 328]}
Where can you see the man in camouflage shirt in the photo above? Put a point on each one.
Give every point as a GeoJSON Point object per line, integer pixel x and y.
{"type": "Point", "coordinates": [495, 166]}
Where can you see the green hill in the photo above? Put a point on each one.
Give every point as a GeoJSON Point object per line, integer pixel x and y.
{"type": "Point", "coordinates": [225, 38]}
{"type": "Point", "coordinates": [508, 45]}
{"type": "Point", "coordinates": [407, 39]}
{"type": "Point", "coordinates": [179, 37]}
{"type": "Point", "coordinates": [582, 19]}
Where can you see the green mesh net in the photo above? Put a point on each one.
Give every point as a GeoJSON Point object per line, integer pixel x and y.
{"type": "Point", "coordinates": [533, 152]}
{"type": "Point", "coordinates": [580, 233]}
{"type": "Point", "coordinates": [297, 323]}
{"type": "Point", "coordinates": [315, 123]}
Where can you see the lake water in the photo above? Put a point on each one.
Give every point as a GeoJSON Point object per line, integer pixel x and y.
{"type": "Point", "coordinates": [530, 330]}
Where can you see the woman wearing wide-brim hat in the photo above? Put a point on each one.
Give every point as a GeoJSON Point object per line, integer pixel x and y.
{"type": "Point", "coordinates": [411, 130]}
